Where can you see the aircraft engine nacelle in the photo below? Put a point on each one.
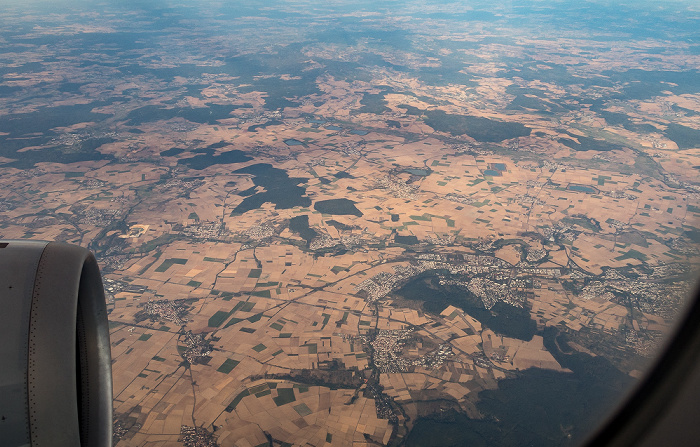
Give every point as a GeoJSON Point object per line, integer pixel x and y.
{"type": "Point", "coordinates": [55, 362]}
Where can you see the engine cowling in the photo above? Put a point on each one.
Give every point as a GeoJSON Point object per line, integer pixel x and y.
{"type": "Point", "coordinates": [55, 361]}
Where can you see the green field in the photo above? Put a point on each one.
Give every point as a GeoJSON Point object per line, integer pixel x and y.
{"type": "Point", "coordinates": [228, 366]}
{"type": "Point", "coordinates": [261, 293]}
{"type": "Point", "coordinates": [236, 400]}
{"type": "Point", "coordinates": [302, 409]}
{"type": "Point", "coordinates": [284, 396]}
{"type": "Point", "coordinates": [169, 262]}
